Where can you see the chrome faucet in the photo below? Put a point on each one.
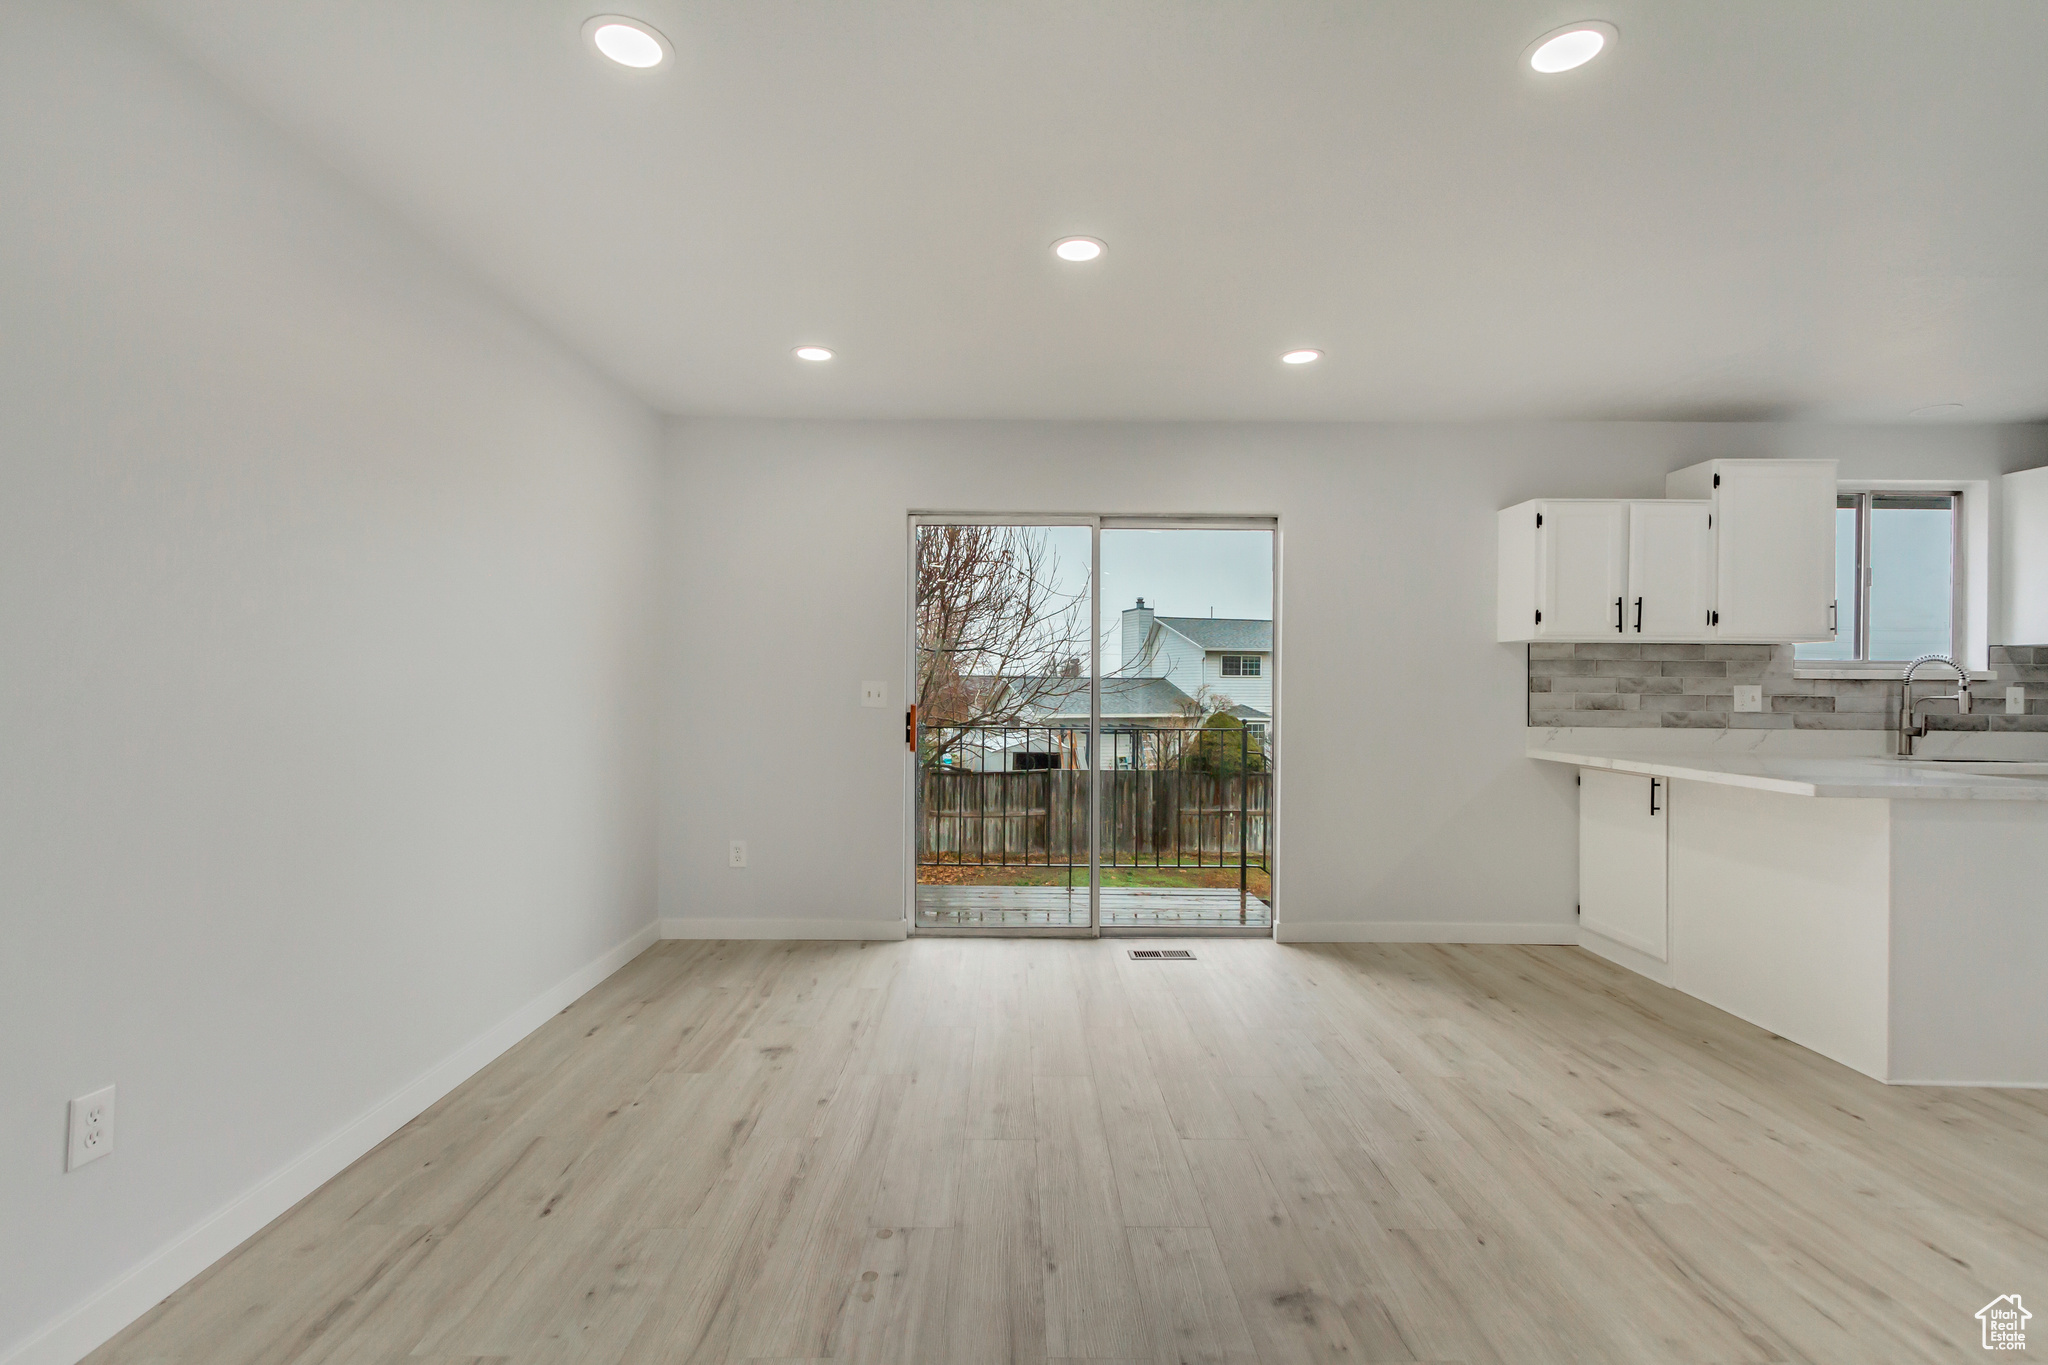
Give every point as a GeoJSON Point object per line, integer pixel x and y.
{"type": "Point", "coordinates": [1912, 725]}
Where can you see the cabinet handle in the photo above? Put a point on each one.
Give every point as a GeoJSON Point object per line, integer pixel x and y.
{"type": "Point", "coordinates": [1620, 616]}
{"type": "Point", "coordinates": [1653, 796]}
{"type": "Point", "coordinates": [1833, 628]}
{"type": "Point", "coordinates": [1639, 616]}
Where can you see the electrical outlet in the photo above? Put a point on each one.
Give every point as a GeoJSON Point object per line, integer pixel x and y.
{"type": "Point", "coordinates": [2015, 701]}
{"type": "Point", "coordinates": [736, 853]}
{"type": "Point", "coordinates": [874, 694]}
{"type": "Point", "coordinates": [1749, 696]}
{"type": "Point", "coordinates": [92, 1128]}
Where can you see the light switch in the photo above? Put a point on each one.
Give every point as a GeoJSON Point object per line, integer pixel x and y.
{"type": "Point", "coordinates": [2015, 701]}
{"type": "Point", "coordinates": [874, 694]}
{"type": "Point", "coordinates": [1749, 696]}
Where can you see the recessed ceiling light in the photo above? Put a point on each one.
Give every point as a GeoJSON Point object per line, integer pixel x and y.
{"type": "Point", "coordinates": [1078, 249]}
{"type": "Point", "coordinates": [1571, 46]}
{"type": "Point", "coordinates": [1300, 357]}
{"type": "Point", "coordinates": [1937, 410]}
{"type": "Point", "coordinates": [812, 353]}
{"type": "Point", "coordinates": [626, 41]}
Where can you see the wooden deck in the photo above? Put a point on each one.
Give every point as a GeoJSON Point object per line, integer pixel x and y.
{"type": "Point", "coordinates": [1054, 907]}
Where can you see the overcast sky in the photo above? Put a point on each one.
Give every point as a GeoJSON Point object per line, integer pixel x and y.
{"type": "Point", "coordinates": [1184, 573]}
{"type": "Point", "coordinates": [1178, 573]}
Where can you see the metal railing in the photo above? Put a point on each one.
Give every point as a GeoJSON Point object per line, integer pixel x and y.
{"type": "Point", "coordinates": [1016, 796]}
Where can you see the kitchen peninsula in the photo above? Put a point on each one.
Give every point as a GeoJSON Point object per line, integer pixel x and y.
{"type": "Point", "coordinates": [1890, 914]}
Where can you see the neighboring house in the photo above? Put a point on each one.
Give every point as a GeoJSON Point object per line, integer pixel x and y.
{"type": "Point", "coordinates": [1125, 701]}
{"type": "Point", "coordinates": [1044, 737]}
{"type": "Point", "coordinates": [1230, 656]}
{"type": "Point", "coordinates": [1168, 662]}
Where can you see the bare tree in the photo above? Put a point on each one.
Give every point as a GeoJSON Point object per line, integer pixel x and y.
{"type": "Point", "coordinates": [998, 635]}
{"type": "Point", "coordinates": [1196, 710]}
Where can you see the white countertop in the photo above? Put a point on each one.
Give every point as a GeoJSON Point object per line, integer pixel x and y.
{"type": "Point", "coordinates": [1886, 779]}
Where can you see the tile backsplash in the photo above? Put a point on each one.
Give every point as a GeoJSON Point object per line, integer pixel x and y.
{"type": "Point", "coordinates": [1642, 686]}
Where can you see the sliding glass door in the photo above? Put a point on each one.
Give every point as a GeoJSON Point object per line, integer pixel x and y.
{"type": "Point", "coordinates": [1082, 762]}
{"type": "Point", "coordinates": [1003, 672]}
{"type": "Point", "coordinates": [1187, 725]}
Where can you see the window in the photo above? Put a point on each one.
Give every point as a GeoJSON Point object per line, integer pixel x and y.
{"type": "Point", "coordinates": [1895, 577]}
{"type": "Point", "coordinates": [1240, 665]}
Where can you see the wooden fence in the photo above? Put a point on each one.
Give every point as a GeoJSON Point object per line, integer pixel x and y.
{"type": "Point", "coordinates": [1150, 818]}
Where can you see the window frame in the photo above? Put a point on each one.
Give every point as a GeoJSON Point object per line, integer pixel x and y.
{"type": "Point", "coordinates": [1241, 660]}
{"type": "Point", "coordinates": [1860, 497]}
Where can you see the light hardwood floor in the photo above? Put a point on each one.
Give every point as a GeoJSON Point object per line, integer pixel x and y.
{"type": "Point", "coordinates": [1003, 1150]}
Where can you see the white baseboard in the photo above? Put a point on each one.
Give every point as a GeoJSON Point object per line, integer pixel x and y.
{"type": "Point", "coordinates": [75, 1333]}
{"type": "Point", "coordinates": [691, 926]}
{"type": "Point", "coordinates": [1621, 955]}
{"type": "Point", "coordinates": [1423, 931]}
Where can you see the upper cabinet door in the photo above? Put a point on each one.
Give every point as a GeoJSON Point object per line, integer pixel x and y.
{"type": "Point", "coordinates": [1582, 559]}
{"type": "Point", "coordinates": [2026, 556]}
{"type": "Point", "coordinates": [1670, 570]}
{"type": "Point", "coordinates": [1774, 526]}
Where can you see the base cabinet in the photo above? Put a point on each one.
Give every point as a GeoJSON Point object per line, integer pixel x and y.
{"type": "Point", "coordinates": [1625, 859]}
{"type": "Point", "coordinates": [1901, 938]}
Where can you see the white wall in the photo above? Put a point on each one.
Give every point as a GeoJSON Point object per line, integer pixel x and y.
{"type": "Point", "coordinates": [326, 678]}
{"type": "Point", "coordinates": [1178, 659]}
{"type": "Point", "coordinates": [1408, 808]}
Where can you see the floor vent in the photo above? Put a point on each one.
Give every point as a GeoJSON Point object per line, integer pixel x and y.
{"type": "Point", "coordinates": [1162, 955]}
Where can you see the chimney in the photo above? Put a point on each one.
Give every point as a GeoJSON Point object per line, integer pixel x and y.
{"type": "Point", "coordinates": [1137, 630]}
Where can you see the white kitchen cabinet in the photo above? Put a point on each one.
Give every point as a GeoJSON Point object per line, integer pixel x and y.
{"type": "Point", "coordinates": [1887, 919]}
{"type": "Point", "coordinates": [1774, 546]}
{"type": "Point", "coordinates": [1563, 570]}
{"type": "Point", "coordinates": [1624, 859]}
{"type": "Point", "coordinates": [1670, 570]}
{"type": "Point", "coordinates": [1605, 569]}
{"type": "Point", "coordinates": [2026, 557]}
{"type": "Point", "coordinates": [1740, 550]}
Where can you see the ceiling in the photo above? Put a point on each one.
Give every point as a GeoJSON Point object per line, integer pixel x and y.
{"type": "Point", "coordinates": [1830, 210]}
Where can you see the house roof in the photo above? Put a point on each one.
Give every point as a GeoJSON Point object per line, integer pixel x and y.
{"type": "Point", "coordinates": [1125, 699]}
{"type": "Point", "coordinates": [1130, 699]}
{"type": "Point", "coordinates": [1122, 699]}
{"type": "Point", "coordinates": [1229, 634]}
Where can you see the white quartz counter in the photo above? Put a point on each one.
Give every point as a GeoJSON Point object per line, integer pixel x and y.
{"type": "Point", "coordinates": [1887, 779]}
